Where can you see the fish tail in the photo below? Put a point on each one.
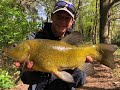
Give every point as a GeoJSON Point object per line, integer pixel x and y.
{"type": "Point", "coordinates": [107, 57]}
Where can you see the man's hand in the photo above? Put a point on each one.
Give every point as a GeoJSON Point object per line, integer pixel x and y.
{"type": "Point", "coordinates": [89, 59]}
{"type": "Point", "coordinates": [28, 66]}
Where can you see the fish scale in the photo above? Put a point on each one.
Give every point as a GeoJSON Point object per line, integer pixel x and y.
{"type": "Point", "coordinates": [55, 56]}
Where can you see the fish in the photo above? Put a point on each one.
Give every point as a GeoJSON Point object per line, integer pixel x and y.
{"type": "Point", "coordinates": [75, 38]}
{"type": "Point", "coordinates": [56, 56]}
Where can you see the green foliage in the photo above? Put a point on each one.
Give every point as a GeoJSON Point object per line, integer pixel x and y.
{"type": "Point", "coordinates": [6, 81]}
{"type": "Point", "coordinates": [116, 39]}
{"type": "Point", "coordinates": [87, 18]}
{"type": "Point", "coordinates": [117, 52]}
{"type": "Point", "coordinates": [14, 25]}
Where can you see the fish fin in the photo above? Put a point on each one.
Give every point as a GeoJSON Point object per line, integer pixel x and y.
{"type": "Point", "coordinates": [108, 61]}
{"type": "Point", "coordinates": [75, 38]}
{"type": "Point", "coordinates": [65, 76]}
{"type": "Point", "coordinates": [88, 68]}
{"type": "Point", "coordinates": [107, 57]}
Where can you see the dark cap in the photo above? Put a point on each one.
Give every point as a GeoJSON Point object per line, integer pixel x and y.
{"type": "Point", "coordinates": [65, 6]}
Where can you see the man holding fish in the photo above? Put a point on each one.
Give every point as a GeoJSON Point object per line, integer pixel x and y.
{"type": "Point", "coordinates": [52, 56]}
{"type": "Point", "coordinates": [62, 17]}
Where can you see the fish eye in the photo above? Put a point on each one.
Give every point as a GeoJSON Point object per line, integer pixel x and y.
{"type": "Point", "coordinates": [14, 45]}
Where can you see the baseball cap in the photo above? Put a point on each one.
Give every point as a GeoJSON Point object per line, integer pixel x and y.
{"type": "Point", "coordinates": [65, 6]}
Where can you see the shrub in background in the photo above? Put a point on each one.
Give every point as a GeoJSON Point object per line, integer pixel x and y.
{"type": "Point", "coordinates": [6, 81]}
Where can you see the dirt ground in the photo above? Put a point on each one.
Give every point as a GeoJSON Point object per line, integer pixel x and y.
{"type": "Point", "coordinates": [103, 79]}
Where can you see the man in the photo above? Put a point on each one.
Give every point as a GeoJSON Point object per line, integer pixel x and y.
{"type": "Point", "coordinates": [62, 19]}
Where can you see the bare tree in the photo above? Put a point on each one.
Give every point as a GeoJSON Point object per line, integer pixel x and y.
{"type": "Point", "coordinates": [105, 6]}
{"type": "Point", "coordinates": [94, 30]}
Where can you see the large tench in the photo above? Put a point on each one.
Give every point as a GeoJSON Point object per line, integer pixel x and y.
{"type": "Point", "coordinates": [55, 56]}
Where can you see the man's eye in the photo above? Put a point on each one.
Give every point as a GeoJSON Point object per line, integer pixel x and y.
{"type": "Point", "coordinates": [58, 15]}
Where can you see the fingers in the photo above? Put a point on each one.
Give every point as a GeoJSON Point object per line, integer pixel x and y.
{"type": "Point", "coordinates": [89, 59]}
{"type": "Point", "coordinates": [29, 65]}
{"type": "Point", "coordinates": [17, 64]}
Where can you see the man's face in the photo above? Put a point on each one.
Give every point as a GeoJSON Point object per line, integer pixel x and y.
{"type": "Point", "coordinates": [61, 21]}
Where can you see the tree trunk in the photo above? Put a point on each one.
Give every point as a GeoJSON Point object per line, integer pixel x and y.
{"type": "Point", "coordinates": [94, 30]}
{"type": "Point", "coordinates": [103, 20]}
{"type": "Point", "coordinates": [79, 21]}
{"type": "Point", "coordinates": [105, 5]}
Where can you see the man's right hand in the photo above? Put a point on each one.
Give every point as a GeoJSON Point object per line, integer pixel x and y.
{"type": "Point", "coordinates": [28, 66]}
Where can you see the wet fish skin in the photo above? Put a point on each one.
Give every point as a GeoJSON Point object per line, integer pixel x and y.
{"type": "Point", "coordinates": [55, 56]}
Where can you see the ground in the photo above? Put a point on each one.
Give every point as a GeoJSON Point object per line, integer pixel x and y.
{"type": "Point", "coordinates": [103, 79]}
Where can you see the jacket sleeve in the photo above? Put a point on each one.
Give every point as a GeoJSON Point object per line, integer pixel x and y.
{"type": "Point", "coordinates": [34, 77]}
{"type": "Point", "coordinates": [79, 77]}
{"type": "Point", "coordinates": [31, 36]}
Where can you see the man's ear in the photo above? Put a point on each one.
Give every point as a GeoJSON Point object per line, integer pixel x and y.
{"type": "Point", "coordinates": [73, 21]}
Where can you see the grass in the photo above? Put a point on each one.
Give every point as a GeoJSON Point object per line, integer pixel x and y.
{"type": "Point", "coordinates": [117, 52]}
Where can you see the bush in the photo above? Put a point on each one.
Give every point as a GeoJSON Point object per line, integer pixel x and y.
{"type": "Point", "coordinates": [6, 81]}
{"type": "Point", "coordinates": [116, 39]}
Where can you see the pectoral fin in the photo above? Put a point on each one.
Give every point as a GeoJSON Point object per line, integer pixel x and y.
{"type": "Point", "coordinates": [65, 76]}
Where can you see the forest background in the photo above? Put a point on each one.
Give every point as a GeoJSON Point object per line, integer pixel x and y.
{"type": "Point", "coordinates": [97, 20]}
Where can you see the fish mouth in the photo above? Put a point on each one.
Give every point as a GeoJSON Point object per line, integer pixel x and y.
{"type": "Point", "coordinates": [4, 50]}
{"type": "Point", "coordinates": [17, 59]}
{"type": "Point", "coordinates": [24, 58]}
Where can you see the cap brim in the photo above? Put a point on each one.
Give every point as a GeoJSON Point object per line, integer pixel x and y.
{"type": "Point", "coordinates": [64, 9]}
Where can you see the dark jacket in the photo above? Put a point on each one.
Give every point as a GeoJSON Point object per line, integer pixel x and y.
{"type": "Point", "coordinates": [47, 81]}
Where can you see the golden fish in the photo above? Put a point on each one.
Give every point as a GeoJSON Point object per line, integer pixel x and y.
{"type": "Point", "coordinates": [54, 56]}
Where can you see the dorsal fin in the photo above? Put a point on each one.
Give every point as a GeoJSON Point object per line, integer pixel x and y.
{"type": "Point", "coordinates": [75, 38]}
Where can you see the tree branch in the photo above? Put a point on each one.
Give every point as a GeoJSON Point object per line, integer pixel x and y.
{"type": "Point", "coordinates": [116, 4]}
{"type": "Point", "coordinates": [115, 1]}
